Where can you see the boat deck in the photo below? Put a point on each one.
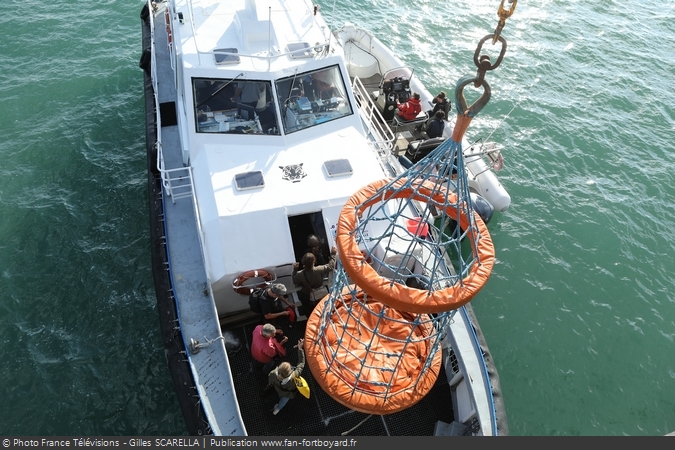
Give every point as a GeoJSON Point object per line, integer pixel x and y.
{"type": "Point", "coordinates": [320, 415]}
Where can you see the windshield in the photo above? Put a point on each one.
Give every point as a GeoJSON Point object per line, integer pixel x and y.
{"type": "Point", "coordinates": [234, 106]}
{"type": "Point", "coordinates": [312, 98]}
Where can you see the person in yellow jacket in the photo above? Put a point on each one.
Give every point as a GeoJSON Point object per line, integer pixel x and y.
{"type": "Point", "coordinates": [282, 379]}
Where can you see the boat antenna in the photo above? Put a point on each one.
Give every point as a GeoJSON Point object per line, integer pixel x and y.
{"type": "Point", "coordinates": [218, 90]}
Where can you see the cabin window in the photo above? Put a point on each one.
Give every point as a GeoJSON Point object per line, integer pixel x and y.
{"type": "Point", "coordinates": [312, 98]}
{"type": "Point", "coordinates": [234, 106]}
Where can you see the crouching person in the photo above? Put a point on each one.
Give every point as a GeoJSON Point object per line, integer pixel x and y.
{"type": "Point", "coordinates": [282, 379]}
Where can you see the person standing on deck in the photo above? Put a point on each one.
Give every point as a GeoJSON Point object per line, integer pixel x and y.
{"type": "Point", "coordinates": [314, 247]}
{"type": "Point", "coordinates": [264, 346]}
{"type": "Point", "coordinates": [274, 304]}
{"type": "Point", "coordinates": [311, 277]}
{"type": "Point", "coordinates": [282, 379]}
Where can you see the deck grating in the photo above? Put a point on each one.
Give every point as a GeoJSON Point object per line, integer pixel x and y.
{"type": "Point", "coordinates": [320, 415]}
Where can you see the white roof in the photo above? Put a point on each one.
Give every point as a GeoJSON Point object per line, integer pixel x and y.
{"type": "Point", "coordinates": [253, 213]}
{"type": "Point", "coordinates": [246, 26]}
{"type": "Point", "coordinates": [258, 218]}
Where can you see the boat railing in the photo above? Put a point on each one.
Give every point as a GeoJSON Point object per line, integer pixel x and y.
{"type": "Point", "coordinates": [382, 136]}
{"type": "Point", "coordinates": [489, 152]}
{"type": "Point", "coordinates": [178, 181]}
{"type": "Point", "coordinates": [168, 14]}
{"type": "Point", "coordinates": [270, 55]}
{"type": "Point", "coordinates": [273, 53]}
{"type": "Point", "coordinates": [486, 378]}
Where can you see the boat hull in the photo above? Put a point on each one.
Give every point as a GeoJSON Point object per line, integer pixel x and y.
{"type": "Point", "coordinates": [172, 338]}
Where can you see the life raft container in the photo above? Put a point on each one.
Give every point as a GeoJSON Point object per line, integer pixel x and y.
{"type": "Point", "coordinates": [260, 277]}
{"type": "Point", "coordinates": [398, 296]}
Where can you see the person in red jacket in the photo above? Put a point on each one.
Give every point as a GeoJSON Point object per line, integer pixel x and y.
{"type": "Point", "coordinates": [410, 109]}
{"type": "Point", "coordinates": [265, 348]}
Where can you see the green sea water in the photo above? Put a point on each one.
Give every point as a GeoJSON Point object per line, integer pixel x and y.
{"type": "Point", "coordinates": [579, 312]}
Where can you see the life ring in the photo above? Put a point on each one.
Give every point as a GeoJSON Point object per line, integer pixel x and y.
{"type": "Point", "coordinates": [239, 286]}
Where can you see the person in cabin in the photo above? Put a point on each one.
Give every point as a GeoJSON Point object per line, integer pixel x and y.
{"type": "Point", "coordinates": [246, 92]}
{"type": "Point", "coordinates": [436, 126]}
{"type": "Point", "coordinates": [323, 85]}
{"type": "Point", "coordinates": [314, 246]}
{"type": "Point", "coordinates": [410, 109]}
{"type": "Point", "coordinates": [265, 348]}
{"type": "Point", "coordinates": [307, 88]}
{"type": "Point", "coordinates": [274, 305]}
{"type": "Point", "coordinates": [214, 95]}
{"type": "Point", "coordinates": [282, 379]}
{"type": "Point", "coordinates": [311, 277]}
{"type": "Point", "coordinates": [254, 94]}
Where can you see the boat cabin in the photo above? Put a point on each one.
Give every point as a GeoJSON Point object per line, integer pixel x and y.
{"type": "Point", "coordinates": [285, 105]}
{"type": "Point", "coordinates": [270, 132]}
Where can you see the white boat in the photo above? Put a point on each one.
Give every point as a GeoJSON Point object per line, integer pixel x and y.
{"type": "Point", "coordinates": [372, 63]}
{"type": "Point", "coordinates": [247, 155]}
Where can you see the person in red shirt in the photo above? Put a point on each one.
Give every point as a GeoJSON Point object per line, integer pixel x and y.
{"type": "Point", "coordinates": [265, 348]}
{"type": "Point", "coordinates": [410, 109]}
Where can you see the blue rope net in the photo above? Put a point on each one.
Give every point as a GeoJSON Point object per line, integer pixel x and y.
{"type": "Point", "coordinates": [417, 239]}
{"type": "Point", "coordinates": [414, 252]}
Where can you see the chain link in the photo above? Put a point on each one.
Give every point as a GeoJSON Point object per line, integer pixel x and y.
{"type": "Point", "coordinates": [483, 62]}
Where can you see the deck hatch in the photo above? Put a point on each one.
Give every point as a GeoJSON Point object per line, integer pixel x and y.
{"type": "Point", "coordinates": [167, 114]}
{"type": "Point", "coordinates": [300, 50]}
{"type": "Point", "coordinates": [338, 167]}
{"type": "Point", "coordinates": [226, 59]}
{"type": "Point", "coordinates": [249, 180]}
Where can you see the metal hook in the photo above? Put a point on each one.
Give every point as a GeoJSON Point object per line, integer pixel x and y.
{"type": "Point", "coordinates": [460, 100]}
{"type": "Point", "coordinates": [504, 13]}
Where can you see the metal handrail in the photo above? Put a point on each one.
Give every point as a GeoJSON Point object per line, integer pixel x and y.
{"type": "Point", "coordinates": [383, 136]}
{"type": "Point", "coordinates": [265, 57]}
{"type": "Point", "coordinates": [177, 182]}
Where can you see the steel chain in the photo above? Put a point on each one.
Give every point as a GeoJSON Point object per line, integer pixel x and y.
{"type": "Point", "coordinates": [483, 62]}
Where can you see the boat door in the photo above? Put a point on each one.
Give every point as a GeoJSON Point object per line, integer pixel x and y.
{"type": "Point", "coordinates": [304, 225]}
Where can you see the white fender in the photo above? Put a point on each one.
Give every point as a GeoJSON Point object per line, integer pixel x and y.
{"type": "Point", "coordinates": [485, 182]}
